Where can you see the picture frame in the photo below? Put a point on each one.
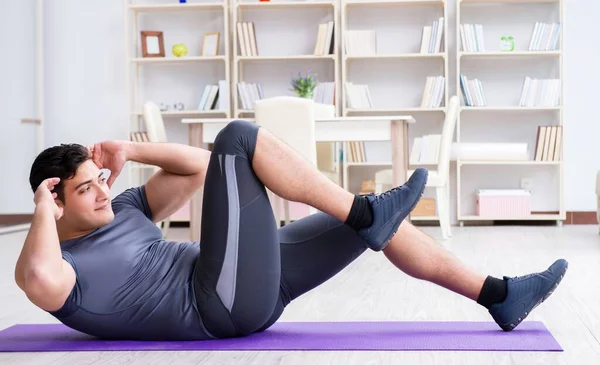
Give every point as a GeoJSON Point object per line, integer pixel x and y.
{"type": "Point", "coordinates": [153, 44]}
{"type": "Point", "coordinates": [210, 44]}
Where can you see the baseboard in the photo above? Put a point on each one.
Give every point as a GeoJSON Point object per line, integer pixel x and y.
{"type": "Point", "coordinates": [15, 219]}
{"type": "Point", "coordinates": [581, 218]}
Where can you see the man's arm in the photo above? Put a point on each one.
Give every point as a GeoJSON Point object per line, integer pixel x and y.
{"type": "Point", "coordinates": [183, 170]}
{"type": "Point", "coordinates": [41, 272]}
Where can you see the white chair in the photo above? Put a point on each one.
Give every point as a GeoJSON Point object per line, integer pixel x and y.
{"type": "Point", "coordinates": [439, 178]}
{"type": "Point", "coordinates": [292, 120]}
{"type": "Point", "coordinates": [155, 128]}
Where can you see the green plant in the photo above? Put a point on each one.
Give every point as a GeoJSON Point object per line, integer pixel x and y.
{"type": "Point", "coordinates": [304, 86]}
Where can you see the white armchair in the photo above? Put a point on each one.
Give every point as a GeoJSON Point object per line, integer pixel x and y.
{"type": "Point", "coordinates": [292, 120]}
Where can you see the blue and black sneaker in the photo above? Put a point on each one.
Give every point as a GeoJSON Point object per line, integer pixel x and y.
{"type": "Point", "coordinates": [390, 209]}
{"type": "Point", "coordinates": [524, 293]}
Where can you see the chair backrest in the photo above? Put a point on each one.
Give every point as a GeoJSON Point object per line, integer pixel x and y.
{"type": "Point", "coordinates": [292, 120]}
{"type": "Point", "coordinates": [155, 126]}
{"type": "Point", "coordinates": [443, 168]}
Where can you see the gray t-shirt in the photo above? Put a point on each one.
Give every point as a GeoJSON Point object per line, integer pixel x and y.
{"type": "Point", "coordinates": [131, 283]}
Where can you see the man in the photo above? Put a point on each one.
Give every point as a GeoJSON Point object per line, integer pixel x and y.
{"type": "Point", "coordinates": [102, 267]}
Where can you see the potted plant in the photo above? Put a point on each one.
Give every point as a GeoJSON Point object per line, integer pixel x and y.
{"type": "Point", "coordinates": [304, 86]}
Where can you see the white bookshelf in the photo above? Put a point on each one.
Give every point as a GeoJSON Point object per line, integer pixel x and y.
{"type": "Point", "coordinates": [395, 72]}
{"type": "Point", "coordinates": [502, 118]}
{"type": "Point", "coordinates": [277, 61]}
{"type": "Point", "coordinates": [172, 80]}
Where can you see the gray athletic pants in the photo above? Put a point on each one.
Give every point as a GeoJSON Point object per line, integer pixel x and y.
{"type": "Point", "coordinates": [248, 270]}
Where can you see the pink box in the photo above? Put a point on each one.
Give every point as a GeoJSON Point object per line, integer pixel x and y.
{"type": "Point", "coordinates": [504, 203]}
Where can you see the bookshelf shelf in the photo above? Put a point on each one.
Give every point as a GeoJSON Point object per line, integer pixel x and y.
{"type": "Point", "coordinates": [532, 217]}
{"type": "Point", "coordinates": [466, 2]}
{"type": "Point", "coordinates": [395, 56]}
{"type": "Point", "coordinates": [382, 163]}
{"type": "Point", "coordinates": [533, 78]}
{"type": "Point", "coordinates": [186, 59]}
{"type": "Point", "coordinates": [554, 163]}
{"type": "Point", "coordinates": [176, 7]}
{"type": "Point", "coordinates": [285, 58]}
{"type": "Point", "coordinates": [185, 113]}
{"type": "Point", "coordinates": [507, 108]}
{"type": "Point", "coordinates": [394, 111]}
{"type": "Point", "coordinates": [285, 4]}
{"type": "Point", "coordinates": [510, 54]}
{"type": "Point", "coordinates": [359, 3]}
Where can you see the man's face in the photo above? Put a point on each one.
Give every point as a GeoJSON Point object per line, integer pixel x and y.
{"type": "Point", "coordinates": [87, 199]}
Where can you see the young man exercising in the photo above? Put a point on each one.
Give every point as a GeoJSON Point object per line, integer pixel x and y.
{"type": "Point", "coordinates": [102, 267]}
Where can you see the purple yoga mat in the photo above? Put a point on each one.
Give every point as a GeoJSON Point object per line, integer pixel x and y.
{"type": "Point", "coordinates": [319, 336]}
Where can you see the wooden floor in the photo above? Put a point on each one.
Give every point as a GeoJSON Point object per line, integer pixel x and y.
{"type": "Point", "coordinates": [372, 289]}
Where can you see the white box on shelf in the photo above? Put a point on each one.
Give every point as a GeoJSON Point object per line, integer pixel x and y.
{"type": "Point", "coordinates": [511, 203]}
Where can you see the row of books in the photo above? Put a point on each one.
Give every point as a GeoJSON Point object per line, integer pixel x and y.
{"type": "Point", "coordinates": [540, 92]}
{"type": "Point", "coordinates": [210, 99]}
{"type": "Point", "coordinates": [431, 37]}
{"type": "Point", "coordinates": [471, 38]}
{"type": "Point", "coordinates": [356, 151]}
{"type": "Point", "coordinates": [249, 93]}
{"type": "Point", "coordinates": [425, 150]}
{"type": "Point", "coordinates": [433, 92]}
{"type": "Point", "coordinates": [360, 42]}
{"type": "Point", "coordinates": [472, 91]}
{"type": "Point", "coordinates": [549, 143]}
{"type": "Point", "coordinates": [544, 37]}
{"type": "Point", "coordinates": [325, 44]}
{"type": "Point", "coordinates": [139, 136]}
{"type": "Point", "coordinates": [324, 93]}
{"type": "Point", "coordinates": [358, 96]}
{"type": "Point", "coordinates": [247, 38]}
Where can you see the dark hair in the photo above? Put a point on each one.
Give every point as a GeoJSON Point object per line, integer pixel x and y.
{"type": "Point", "coordinates": [58, 161]}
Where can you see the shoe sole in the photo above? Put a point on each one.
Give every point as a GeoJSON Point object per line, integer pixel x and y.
{"type": "Point", "coordinates": [511, 326]}
{"type": "Point", "coordinates": [389, 238]}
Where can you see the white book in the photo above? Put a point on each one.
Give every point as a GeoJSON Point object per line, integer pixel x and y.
{"type": "Point", "coordinates": [214, 90]}
{"type": "Point", "coordinates": [437, 47]}
{"type": "Point", "coordinates": [247, 44]}
{"type": "Point", "coordinates": [415, 151]}
{"type": "Point", "coordinates": [524, 91]}
{"type": "Point", "coordinates": [204, 97]}
{"type": "Point", "coordinates": [556, 38]}
{"type": "Point", "coordinates": [252, 34]}
{"type": "Point", "coordinates": [548, 40]}
{"type": "Point", "coordinates": [425, 37]}
{"type": "Point", "coordinates": [240, 36]}
{"type": "Point", "coordinates": [223, 95]}
{"type": "Point", "coordinates": [434, 93]}
{"type": "Point", "coordinates": [540, 36]}
{"type": "Point", "coordinates": [319, 40]}
{"type": "Point", "coordinates": [350, 99]}
{"type": "Point", "coordinates": [426, 87]}
{"type": "Point", "coordinates": [328, 38]}
{"type": "Point", "coordinates": [479, 31]}
{"type": "Point", "coordinates": [442, 92]}
{"type": "Point", "coordinates": [470, 38]}
{"type": "Point", "coordinates": [473, 91]}
{"type": "Point", "coordinates": [463, 40]}
{"type": "Point", "coordinates": [533, 34]}
{"type": "Point", "coordinates": [465, 89]}
{"type": "Point", "coordinates": [480, 87]}
{"type": "Point", "coordinates": [367, 93]}
{"type": "Point", "coordinates": [434, 30]}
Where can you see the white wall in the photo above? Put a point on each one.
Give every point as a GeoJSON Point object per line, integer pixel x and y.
{"type": "Point", "coordinates": [85, 84]}
{"type": "Point", "coordinates": [582, 124]}
{"type": "Point", "coordinates": [18, 141]}
{"type": "Point", "coordinates": [85, 98]}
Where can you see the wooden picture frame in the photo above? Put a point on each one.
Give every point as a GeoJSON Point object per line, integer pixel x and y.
{"type": "Point", "coordinates": [153, 44]}
{"type": "Point", "coordinates": [210, 44]}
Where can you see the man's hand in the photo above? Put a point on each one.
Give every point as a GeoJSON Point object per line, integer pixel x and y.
{"type": "Point", "coordinates": [110, 155]}
{"type": "Point", "coordinates": [44, 197]}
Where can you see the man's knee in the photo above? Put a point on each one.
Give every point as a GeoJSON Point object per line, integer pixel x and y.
{"type": "Point", "coordinates": [237, 138]}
